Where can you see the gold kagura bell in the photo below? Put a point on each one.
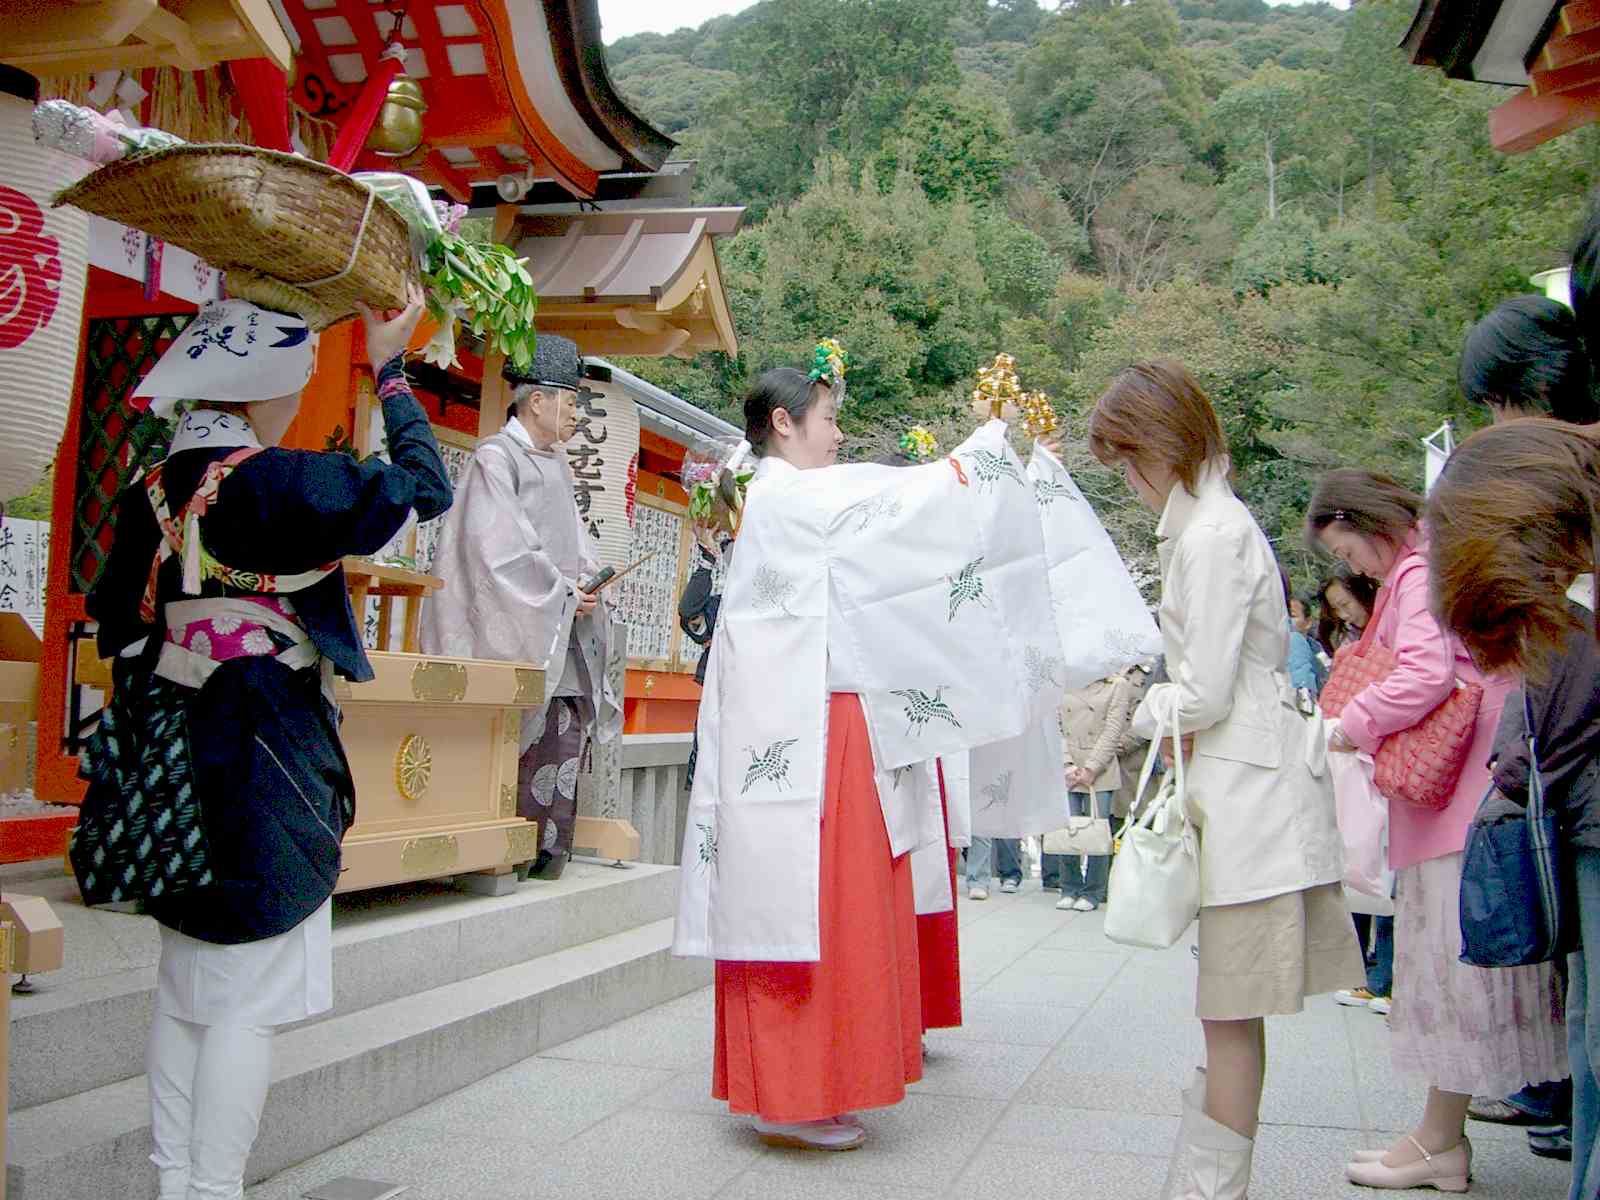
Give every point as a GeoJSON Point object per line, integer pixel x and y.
{"type": "Point", "coordinates": [398, 129]}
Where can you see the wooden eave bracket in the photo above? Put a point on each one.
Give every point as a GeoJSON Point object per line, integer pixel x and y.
{"type": "Point", "coordinates": [64, 38]}
{"type": "Point", "coordinates": [1528, 120]}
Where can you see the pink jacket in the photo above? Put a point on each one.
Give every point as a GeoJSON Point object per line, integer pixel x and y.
{"type": "Point", "coordinates": [1429, 661]}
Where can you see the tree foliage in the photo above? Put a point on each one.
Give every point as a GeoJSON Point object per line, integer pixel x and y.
{"type": "Point", "coordinates": [1273, 194]}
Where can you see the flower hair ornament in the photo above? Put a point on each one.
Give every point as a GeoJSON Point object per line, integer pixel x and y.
{"type": "Point", "coordinates": [829, 362]}
{"type": "Point", "coordinates": [918, 444]}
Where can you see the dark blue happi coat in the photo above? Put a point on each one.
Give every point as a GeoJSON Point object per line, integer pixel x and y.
{"type": "Point", "coordinates": [267, 772]}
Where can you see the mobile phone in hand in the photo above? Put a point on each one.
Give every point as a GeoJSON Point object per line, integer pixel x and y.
{"type": "Point", "coordinates": [590, 586]}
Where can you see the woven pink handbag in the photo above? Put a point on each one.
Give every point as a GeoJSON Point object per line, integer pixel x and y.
{"type": "Point", "coordinates": [1420, 765]}
{"type": "Point", "coordinates": [1423, 764]}
{"type": "Point", "coordinates": [1355, 668]}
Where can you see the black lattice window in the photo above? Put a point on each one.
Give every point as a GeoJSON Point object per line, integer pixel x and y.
{"type": "Point", "coordinates": [115, 440]}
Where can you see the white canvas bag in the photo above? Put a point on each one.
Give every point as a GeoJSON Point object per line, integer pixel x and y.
{"type": "Point", "coordinates": [1154, 892]}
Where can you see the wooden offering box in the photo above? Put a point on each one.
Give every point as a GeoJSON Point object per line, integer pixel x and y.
{"type": "Point", "coordinates": [432, 744]}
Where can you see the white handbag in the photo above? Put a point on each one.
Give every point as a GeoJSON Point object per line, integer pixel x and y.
{"type": "Point", "coordinates": [1080, 835]}
{"type": "Point", "coordinates": [1154, 891]}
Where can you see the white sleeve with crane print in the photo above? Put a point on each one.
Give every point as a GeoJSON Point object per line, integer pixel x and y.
{"type": "Point", "coordinates": [924, 591]}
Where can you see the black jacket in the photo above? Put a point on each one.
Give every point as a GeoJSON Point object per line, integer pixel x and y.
{"type": "Point", "coordinates": [268, 770]}
{"type": "Point", "coordinates": [281, 512]}
{"type": "Point", "coordinates": [698, 604]}
{"type": "Point", "coordinates": [1566, 717]}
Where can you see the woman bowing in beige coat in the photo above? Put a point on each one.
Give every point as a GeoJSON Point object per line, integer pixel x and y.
{"type": "Point", "coordinates": [1273, 925]}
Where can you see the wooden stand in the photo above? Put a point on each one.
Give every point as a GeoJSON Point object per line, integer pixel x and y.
{"type": "Point", "coordinates": [367, 578]}
{"type": "Point", "coordinates": [432, 744]}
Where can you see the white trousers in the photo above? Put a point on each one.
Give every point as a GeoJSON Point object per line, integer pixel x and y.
{"type": "Point", "coordinates": [208, 1084]}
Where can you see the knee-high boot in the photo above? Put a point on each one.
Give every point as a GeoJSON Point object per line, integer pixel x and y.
{"type": "Point", "coordinates": [1210, 1161]}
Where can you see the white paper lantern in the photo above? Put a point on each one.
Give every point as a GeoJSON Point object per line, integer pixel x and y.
{"type": "Point", "coordinates": [43, 261]}
{"type": "Point", "coordinates": [604, 455]}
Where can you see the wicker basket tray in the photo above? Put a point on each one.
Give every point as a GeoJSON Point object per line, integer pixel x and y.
{"type": "Point", "coordinates": [292, 234]}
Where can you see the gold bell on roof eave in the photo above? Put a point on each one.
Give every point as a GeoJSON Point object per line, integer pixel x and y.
{"type": "Point", "coordinates": [397, 131]}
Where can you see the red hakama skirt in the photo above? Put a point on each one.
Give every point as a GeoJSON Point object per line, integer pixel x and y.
{"type": "Point", "coordinates": [808, 1041]}
{"type": "Point", "coordinates": [939, 949]}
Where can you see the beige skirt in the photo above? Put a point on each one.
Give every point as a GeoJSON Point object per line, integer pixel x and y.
{"type": "Point", "coordinates": [1264, 958]}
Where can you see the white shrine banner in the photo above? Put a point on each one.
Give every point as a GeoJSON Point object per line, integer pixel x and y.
{"type": "Point", "coordinates": [130, 253]}
{"type": "Point", "coordinates": [24, 565]}
{"type": "Point", "coordinates": [1437, 448]}
{"type": "Point", "coordinates": [604, 455]}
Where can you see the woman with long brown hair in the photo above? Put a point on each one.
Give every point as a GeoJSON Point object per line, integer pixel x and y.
{"type": "Point", "coordinates": [1463, 1029]}
{"type": "Point", "coordinates": [1273, 925]}
{"type": "Point", "coordinates": [1513, 557]}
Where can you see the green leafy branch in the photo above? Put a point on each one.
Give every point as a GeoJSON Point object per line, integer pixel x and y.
{"type": "Point", "coordinates": [488, 289]}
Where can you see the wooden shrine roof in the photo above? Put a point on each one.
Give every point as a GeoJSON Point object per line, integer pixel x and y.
{"type": "Point", "coordinates": [513, 87]}
{"type": "Point", "coordinates": [636, 281]}
{"type": "Point", "coordinates": [1548, 49]}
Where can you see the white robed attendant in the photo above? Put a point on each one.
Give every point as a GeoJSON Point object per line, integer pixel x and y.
{"type": "Point", "coordinates": [908, 615]}
{"type": "Point", "coordinates": [514, 555]}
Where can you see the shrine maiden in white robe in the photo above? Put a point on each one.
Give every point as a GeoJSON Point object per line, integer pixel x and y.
{"type": "Point", "coordinates": [926, 592]}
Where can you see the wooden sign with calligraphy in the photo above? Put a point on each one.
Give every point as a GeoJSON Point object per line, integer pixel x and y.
{"type": "Point", "coordinates": [604, 456]}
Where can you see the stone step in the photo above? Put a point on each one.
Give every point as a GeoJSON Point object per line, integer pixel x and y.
{"type": "Point", "coordinates": [86, 1027]}
{"type": "Point", "coordinates": [337, 1078]}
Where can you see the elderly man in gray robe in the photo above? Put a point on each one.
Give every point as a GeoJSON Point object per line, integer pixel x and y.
{"type": "Point", "coordinates": [515, 558]}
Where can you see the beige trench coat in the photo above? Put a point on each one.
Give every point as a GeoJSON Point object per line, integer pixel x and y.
{"type": "Point", "coordinates": [1257, 782]}
{"type": "Point", "coordinates": [1094, 721]}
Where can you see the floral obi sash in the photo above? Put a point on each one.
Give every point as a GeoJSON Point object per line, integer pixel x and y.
{"type": "Point", "coordinates": [184, 539]}
{"type": "Point", "coordinates": [204, 634]}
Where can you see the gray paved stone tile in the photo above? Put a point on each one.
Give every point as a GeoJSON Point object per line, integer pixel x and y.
{"type": "Point", "coordinates": [390, 1152]}
{"type": "Point", "coordinates": [686, 1091]}
{"type": "Point", "coordinates": [984, 1070]}
{"type": "Point", "coordinates": [1066, 1129]}
{"type": "Point", "coordinates": [1017, 984]}
{"type": "Point", "coordinates": [999, 1170]}
{"type": "Point", "coordinates": [541, 1100]}
{"type": "Point", "coordinates": [642, 1154]}
{"type": "Point", "coordinates": [1064, 1082]}
{"type": "Point", "coordinates": [756, 1184]}
{"type": "Point", "coordinates": [651, 1039]}
{"type": "Point", "coordinates": [1017, 1024]}
{"type": "Point", "coordinates": [922, 1143]}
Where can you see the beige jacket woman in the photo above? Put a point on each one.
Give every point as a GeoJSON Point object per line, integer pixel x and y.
{"type": "Point", "coordinates": [1094, 721]}
{"type": "Point", "coordinates": [1257, 783]}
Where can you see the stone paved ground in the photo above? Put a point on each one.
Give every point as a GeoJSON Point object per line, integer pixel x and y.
{"type": "Point", "coordinates": [1063, 1083]}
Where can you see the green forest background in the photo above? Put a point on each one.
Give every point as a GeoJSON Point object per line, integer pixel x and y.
{"type": "Point", "coordinates": [1273, 195]}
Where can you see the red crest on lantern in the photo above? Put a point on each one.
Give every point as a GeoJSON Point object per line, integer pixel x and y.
{"type": "Point", "coordinates": [30, 269]}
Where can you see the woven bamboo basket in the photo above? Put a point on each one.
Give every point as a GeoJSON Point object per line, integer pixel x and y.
{"type": "Point", "coordinates": [292, 234]}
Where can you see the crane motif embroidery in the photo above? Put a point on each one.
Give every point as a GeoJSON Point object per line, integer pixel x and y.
{"type": "Point", "coordinates": [1125, 646]}
{"type": "Point", "coordinates": [772, 763]}
{"type": "Point", "coordinates": [922, 708]}
{"type": "Point", "coordinates": [998, 791]}
{"type": "Point", "coordinates": [772, 589]}
{"type": "Point", "coordinates": [1042, 670]}
{"type": "Point", "coordinates": [966, 585]}
{"type": "Point", "coordinates": [1047, 491]}
{"type": "Point", "coordinates": [884, 505]}
{"type": "Point", "coordinates": [708, 846]}
{"type": "Point", "coordinates": [991, 468]}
